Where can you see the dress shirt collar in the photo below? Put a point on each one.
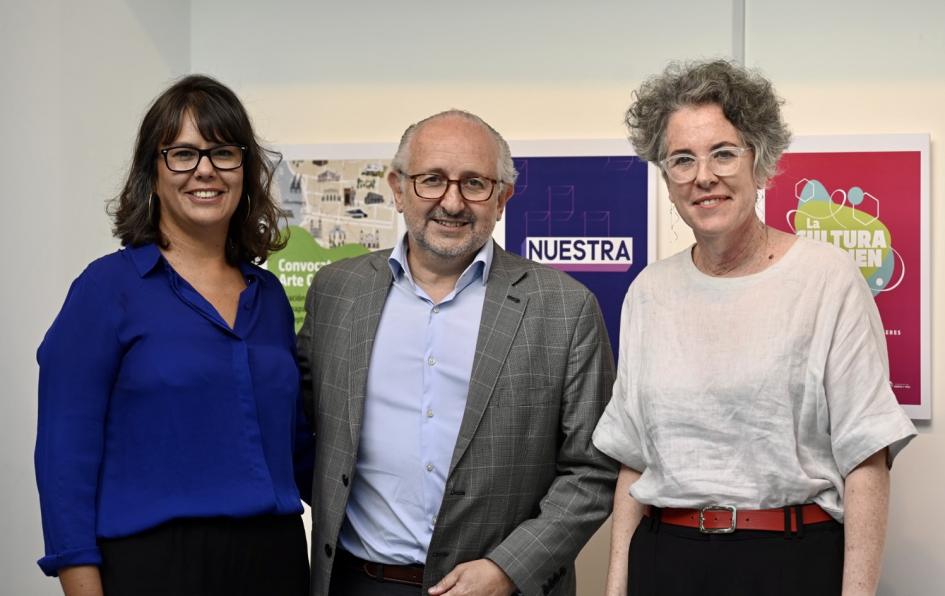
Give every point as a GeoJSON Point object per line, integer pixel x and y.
{"type": "Point", "coordinates": [146, 257]}
{"type": "Point", "coordinates": [480, 266]}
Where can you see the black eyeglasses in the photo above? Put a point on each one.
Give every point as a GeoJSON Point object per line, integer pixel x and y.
{"type": "Point", "coordinates": [433, 187]}
{"type": "Point", "coordinates": [186, 159]}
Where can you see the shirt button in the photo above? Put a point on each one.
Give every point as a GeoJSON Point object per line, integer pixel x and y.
{"type": "Point", "coordinates": [429, 413]}
{"type": "Point", "coordinates": [431, 360]}
{"type": "Point", "coordinates": [429, 467]}
{"type": "Point", "coordinates": [436, 309]}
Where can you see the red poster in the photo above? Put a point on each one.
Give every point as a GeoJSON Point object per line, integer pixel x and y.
{"type": "Point", "coordinates": [869, 197]}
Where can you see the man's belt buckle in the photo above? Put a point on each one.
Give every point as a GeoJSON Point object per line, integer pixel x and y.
{"type": "Point", "coordinates": [728, 530]}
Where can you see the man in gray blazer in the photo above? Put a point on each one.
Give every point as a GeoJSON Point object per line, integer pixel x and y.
{"type": "Point", "coordinates": [453, 388]}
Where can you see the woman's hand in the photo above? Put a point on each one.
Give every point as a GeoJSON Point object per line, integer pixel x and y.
{"type": "Point", "coordinates": [626, 518]}
{"type": "Point", "coordinates": [81, 580]}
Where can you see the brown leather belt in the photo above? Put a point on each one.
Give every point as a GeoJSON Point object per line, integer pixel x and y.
{"type": "Point", "coordinates": [411, 575]}
{"type": "Point", "coordinates": [725, 520]}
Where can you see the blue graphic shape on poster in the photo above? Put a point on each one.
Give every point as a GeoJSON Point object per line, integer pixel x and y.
{"type": "Point", "coordinates": [586, 216]}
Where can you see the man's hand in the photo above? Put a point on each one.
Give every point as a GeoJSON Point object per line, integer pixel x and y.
{"type": "Point", "coordinates": [475, 578]}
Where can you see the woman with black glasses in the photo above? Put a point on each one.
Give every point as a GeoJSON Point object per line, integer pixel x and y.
{"type": "Point", "coordinates": [171, 449]}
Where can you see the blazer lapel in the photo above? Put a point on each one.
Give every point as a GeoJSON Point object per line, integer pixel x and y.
{"type": "Point", "coordinates": [502, 314]}
{"type": "Point", "coordinates": [366, 316]}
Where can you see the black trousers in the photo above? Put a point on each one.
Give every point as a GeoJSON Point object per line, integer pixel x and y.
{"type": "Point", "coordinates": [667, 560]}
{"type": "Point", "coordinates": [257, 556]}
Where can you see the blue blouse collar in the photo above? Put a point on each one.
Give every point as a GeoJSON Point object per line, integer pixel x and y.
{"type": "Point", "coordinates": [147, 256]}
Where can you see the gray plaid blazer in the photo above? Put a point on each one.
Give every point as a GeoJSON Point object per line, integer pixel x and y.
{"type": "Point", "coordinates": [526, 487]}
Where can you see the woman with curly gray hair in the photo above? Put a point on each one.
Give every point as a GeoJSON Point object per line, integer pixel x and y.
{"type": "Point", "coordinates": [752, 406]}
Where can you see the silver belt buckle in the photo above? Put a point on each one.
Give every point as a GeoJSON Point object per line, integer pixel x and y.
{"type": "Point", "coordinates": [728, 530]}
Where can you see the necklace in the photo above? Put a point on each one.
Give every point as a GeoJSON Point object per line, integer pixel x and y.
{"type": "Point", "coordinates": [745, 261]}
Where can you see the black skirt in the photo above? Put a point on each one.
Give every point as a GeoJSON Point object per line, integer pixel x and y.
{"type": "Point", "coordinates": [256, 556]}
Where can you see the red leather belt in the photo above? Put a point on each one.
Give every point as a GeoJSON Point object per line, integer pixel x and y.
{"type": "Point", "coordinates": [411, 575]}
{"type": "Point", "coordinates": [725, 520]}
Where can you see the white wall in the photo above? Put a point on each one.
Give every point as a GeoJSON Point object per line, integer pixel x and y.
{"type": "Point", "coordinates": [339, 71]}
{"type": "Point", "coordinates": [77, 77]}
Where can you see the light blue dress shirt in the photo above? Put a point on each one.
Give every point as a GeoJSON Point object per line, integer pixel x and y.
{"type": "Point", "coordinates": [416, 395]}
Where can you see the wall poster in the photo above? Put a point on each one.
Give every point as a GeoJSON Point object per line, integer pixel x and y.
{"type": "Point", "coordinates": [338, 205]}
{"type": "Point", "coordinates": [585, 207]}
{"type": "Point", "coordinates": [869, 195]}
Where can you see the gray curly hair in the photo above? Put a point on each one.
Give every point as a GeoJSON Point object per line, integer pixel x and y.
{"type": "Point", "coordinates": [505, 169]}
{"type": "Point", "coordinates": [747, 99]}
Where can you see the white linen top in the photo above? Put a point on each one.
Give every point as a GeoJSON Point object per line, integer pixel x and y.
{"type": "Point", "coordinates": [758, 391]}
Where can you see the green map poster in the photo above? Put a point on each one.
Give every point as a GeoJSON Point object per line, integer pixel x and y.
{"type": "Point", "coordinates": [335, 208]}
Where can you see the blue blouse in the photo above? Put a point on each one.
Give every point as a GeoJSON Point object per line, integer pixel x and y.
{"type": "Point", "coordinates": [151, 408]}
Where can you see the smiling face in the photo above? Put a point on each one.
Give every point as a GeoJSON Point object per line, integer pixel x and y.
{"type": "Point", "coordinates": [713, 206]}
{"type": "Point", "coordinates": [450, 230]}
{"type": "Point", "coordinates": [198, 203]}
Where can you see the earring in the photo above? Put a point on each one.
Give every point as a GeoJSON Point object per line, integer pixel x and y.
{"type": "Point", "coordinates": [150, 212]}
{"type": "Point", "coordinates": [673, 218]}
{"type": "Point", "coordinates": [249, 206]}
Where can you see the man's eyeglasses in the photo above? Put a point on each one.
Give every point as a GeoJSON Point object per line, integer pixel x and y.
{"type": "Point", "coordinates": [186, 159]}
{"type": "Point", "coordinates": [682, 167]}
{"type": "Point", "coordinates": [433, 186]}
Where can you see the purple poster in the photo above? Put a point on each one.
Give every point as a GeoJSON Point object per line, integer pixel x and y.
{"type": "Point", "coordinates": [588, 215]}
